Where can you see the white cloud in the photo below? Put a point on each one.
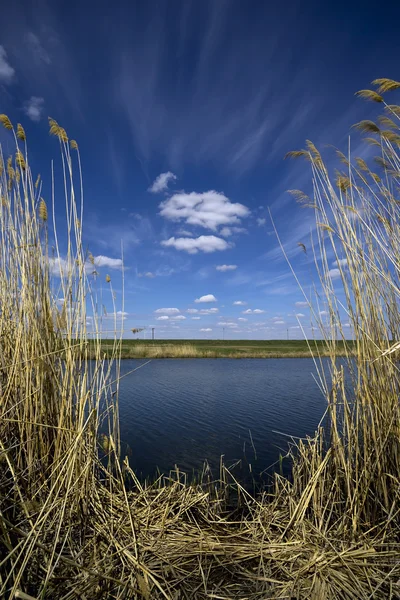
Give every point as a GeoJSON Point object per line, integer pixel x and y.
{"type": "Point", "coordinates": [208, 209]}
{"type": "Point", "coordinates": [228, 231]}
{"type": "Point", "coordinates": [168, 311]}
{"type": "Point", "coordinates": [163, 318]}
{"type": "Point", "coordinates": [192, 310]}
{"type": "Point", "coordinates": [161, 182]}
{"type": "Point", "coordinates": [110, 263]}
{"type": "Point", "coordinates": [149, 275]}
{"type": "Point", "coordinates": [239, 303]}
{"type": "Point", "coordinates": [6, 71]}
{"type": "Point", "coordinates": [196, 318]}
{"type": "Point", "coordinates": [209, 311]}
{"type": "Point", "coordinates": [206, 329]}
{"type": "Point", "coordinates": [58, 266]}
{"type": "Point", "coordinates": [206, 298]}
{"type": "Point", "coordinates": [334, 273]}
{"type": "Point", "coordinates": [185, 233]}
{"type": "Point", "coordinates": [33, 108]}
{"type": "Point", "coordinates": [300, 315]}
{"type": "Point", "coordinates": [36, 47]}
{"type": "Point", "coordinates": [342, 262]}
{"type": "Point", "coordinates": [322, 313]}
{"type": "Point", "coordinates": [256, 311]}
{"type": "Point", "coordinates": [261, 222]}
{"type": "Point", "coordinates": [178, 318]}
{"type": "Point", "coordinates": [224, 268]}
{"type": "Point", "coordinates": [301, 304]}
{"type": "Point", "coordinates": [204, 243]}
{"type": "Point", "coordinates": [279, 322]}
{"type": "Point", "coordinates": [119, 315]}
{"type": "Point", "coordinates": [242, 319]}
{"type": "Point", "coordinates": [227, 324]}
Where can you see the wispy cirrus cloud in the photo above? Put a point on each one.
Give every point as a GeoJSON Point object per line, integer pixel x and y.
{"type": "Point", "coordinates": [7, 72]}
{"type": "Point", "coordinates": [207, 115]}
{"type": "Point", "coordinates": [161, 182]}
{"type": "Point", "coordinates": [43, 55]}
{"type": "Point", "coordinates": [224, 268]}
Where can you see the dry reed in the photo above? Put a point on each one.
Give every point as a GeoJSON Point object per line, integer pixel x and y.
{"type": "Point", "coordinates": [74, 526]}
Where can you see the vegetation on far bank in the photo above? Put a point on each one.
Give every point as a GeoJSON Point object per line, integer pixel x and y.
{"type": "Point", "coordinates": [224, 348]}
{"type": "Point", "coordinates": [75, 522]}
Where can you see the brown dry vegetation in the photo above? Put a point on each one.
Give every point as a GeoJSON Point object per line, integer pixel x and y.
{"type": "Point", "coordinates": [74, 526]}
{"type": "Point", "coordinates": [218, 349]}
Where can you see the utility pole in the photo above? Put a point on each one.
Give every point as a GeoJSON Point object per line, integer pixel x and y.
{"type": "Point", "coordinates": [152, 333]}
{"type": "Point", "coordinates": [223, 334]}
{"type": "Point", "coordinates": [287, 333]}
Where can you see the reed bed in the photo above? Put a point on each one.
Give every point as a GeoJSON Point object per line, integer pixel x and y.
{"type": "Point", "coordinates": [75, 522]}
{"type": "Point", "coordinates": [186, 350]}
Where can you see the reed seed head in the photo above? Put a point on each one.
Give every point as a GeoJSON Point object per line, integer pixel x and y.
{"type": "Point", "coordinates": [386, 85]}
{"type": "Point", "coordinates": [21, 132]}
{"type": "Point", "coordinates": [20, 160]}
{"type": "Point", "coordinates": [5, 121]}
{"type": "Point", "coordinates": [369, 95]}
{"type": "Point", "coordinates": [367, 126]}
{"type": "Point", "coordinates": [42, 210]}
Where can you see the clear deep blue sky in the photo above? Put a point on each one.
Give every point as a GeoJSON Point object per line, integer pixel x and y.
{"type": "Point", "coordinates": [212, 94]}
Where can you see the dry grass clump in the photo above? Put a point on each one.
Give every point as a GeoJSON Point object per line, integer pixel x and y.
{"type": "Point", "coordinates": [73, 525]}
{"type": "Point", "coordinates": [164, 351]}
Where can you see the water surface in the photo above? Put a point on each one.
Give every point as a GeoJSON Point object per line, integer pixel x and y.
{"type": "Point", "coordinates": [183, 412]}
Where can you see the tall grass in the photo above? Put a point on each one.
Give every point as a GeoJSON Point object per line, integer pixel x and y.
{"type": "Point", "coordinates": [75, 526]}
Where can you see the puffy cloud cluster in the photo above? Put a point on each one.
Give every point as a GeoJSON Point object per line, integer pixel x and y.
{"type": "Point", "coordinates": [208, 209]}
{"type": "Point", "coordinates": [204, 243]}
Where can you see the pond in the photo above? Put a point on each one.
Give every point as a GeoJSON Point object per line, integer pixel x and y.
{"type": "Point", "coordinates": [184, 412]}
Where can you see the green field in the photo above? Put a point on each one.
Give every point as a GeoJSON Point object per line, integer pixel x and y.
{"type": "Point", "coordinates": [219, 348]}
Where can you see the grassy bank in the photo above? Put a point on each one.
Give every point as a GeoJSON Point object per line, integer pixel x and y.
{"type": "Point", "coordinates": [74, 520]}
{"type": "Point", "coordinates": [224, 349]}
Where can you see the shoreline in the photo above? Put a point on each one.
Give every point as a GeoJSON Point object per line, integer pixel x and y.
{"type": "Point", "coordinates": [234, 349]}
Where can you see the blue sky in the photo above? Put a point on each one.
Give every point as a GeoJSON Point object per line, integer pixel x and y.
{"type": "Point", "coordinates": [183, 111]}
